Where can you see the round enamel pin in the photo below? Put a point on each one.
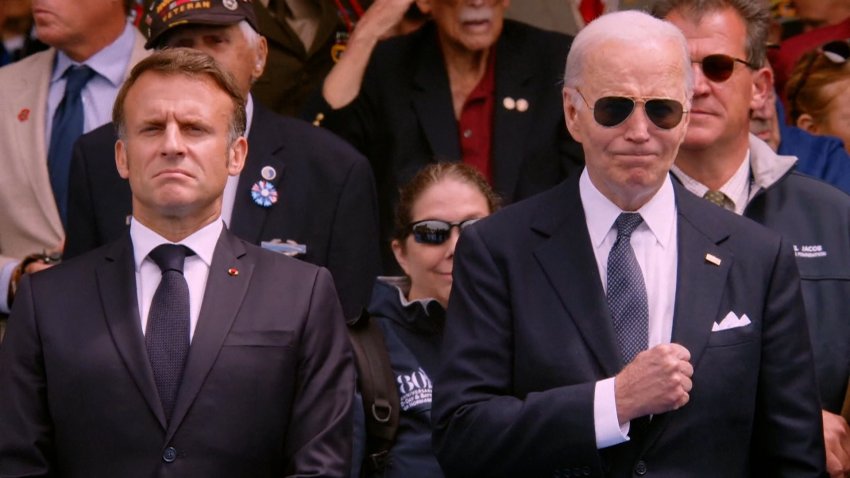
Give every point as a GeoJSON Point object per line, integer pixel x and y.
{"type": "Point", "coordinates": [264, 193]}
{"type": "Point", "coordinates": [268, 173]}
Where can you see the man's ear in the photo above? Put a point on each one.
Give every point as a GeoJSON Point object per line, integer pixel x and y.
{"type": "Point", "coordinates": [121, 159]}
{"type": "Point", "coordinates": [762, 87]}
{"type": "Point", "coordinates": [236, 155]}
{"type": "Point", "coordinates": [261, 54]}
{"type": "Point", "coordinates": [571, 114]}
{"type": "Point", "coordinates": [806, 122]}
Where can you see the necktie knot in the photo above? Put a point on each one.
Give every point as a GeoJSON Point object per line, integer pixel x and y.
{"type": "Point", "coordinates": [718, 198]}
{"type": "Point", "coordinates": [170, 257]}
{"type": "Point", "coordinates": [626, 224]}
{"type": "Point", "coordinates": [76, 78]}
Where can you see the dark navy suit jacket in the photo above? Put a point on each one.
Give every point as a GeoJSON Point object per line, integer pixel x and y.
{"type": "Point", "coordinates": [528, 334]}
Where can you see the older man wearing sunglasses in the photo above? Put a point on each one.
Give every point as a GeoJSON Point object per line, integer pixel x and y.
{"type": "Point", "coordinates": [617, 325]}
{"type": "Point", "coordinates": [721, 161]}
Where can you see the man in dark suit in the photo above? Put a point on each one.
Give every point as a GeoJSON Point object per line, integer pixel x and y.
{"type": "Point", "coordinates": [616, 325]}
{"type": "Point", "coordinates": [300, 183]}
{"type": "Point", "coordinates": [230, 361]}
{"type": "Point", "coordinates": [467, 86]}
{"type": "Point", "coordinates": [721, 161]}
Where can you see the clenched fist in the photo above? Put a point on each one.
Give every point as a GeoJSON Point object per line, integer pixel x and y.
{"type": "Point", "coordinates": [658, 380]}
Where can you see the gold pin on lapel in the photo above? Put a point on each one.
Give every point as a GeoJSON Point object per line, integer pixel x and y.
{"type": "Point", "coordinates": [233, 272]}
{"type": "Point", "coordinates": [712, 259]}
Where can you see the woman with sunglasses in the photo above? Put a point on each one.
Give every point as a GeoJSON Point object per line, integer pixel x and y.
{"type": "Point", "coordinates": [817, 92]}
{"type": "Point", "coordinates": [433, 209]}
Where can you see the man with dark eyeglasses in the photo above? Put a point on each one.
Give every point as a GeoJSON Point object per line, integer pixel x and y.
{"type": "Point", "coordinates": [616, 325]}
{"type": "Point", "coordinates": [721, 161]}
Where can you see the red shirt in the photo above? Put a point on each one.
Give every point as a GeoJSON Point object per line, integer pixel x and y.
{"type": "Point", "coordinates": [792, 49]}
{"type": "Point", "coordinates": [475, 126]}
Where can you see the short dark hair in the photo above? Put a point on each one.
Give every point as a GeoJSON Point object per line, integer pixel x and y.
{"type": "Point", "coordinates": [187, 62]}
{"type": "Point", "coordinates": [429, 176]}
{"type": "Point", "coordinates": [754, 13]}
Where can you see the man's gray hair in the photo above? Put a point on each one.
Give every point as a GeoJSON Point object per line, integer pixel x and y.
{"type": "Point", "coordinates": [629, 26]}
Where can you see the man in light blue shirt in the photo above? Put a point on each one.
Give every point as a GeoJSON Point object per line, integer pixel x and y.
{"type": "Point", "coordinates": [90, 33]}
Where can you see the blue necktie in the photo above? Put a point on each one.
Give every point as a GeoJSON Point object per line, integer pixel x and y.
{"type": "Point", "coordinates": [67, 127]}
{"type": "Point", "coordinates": [626, 290]}
{"type": "Point", "coordinates": [167, 335]}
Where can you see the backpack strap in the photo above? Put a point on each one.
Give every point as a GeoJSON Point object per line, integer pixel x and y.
{"type": "Point", "coordinates": [377, 385]}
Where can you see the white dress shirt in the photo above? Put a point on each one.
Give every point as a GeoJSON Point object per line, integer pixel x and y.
{"type": "Point", "coordinates": [738, 188]}
{"type": "Point", "coordinates": [655, 246]}
{"type": "Point", "coordinates": [196, 268]}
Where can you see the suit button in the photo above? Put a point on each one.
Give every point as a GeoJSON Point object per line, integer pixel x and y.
{"type": "Point", "coordinates": [585, 471]}
{"type": "Point", "coordinates": [169, 455]}
{"type": "Point", "coordinates": [640, 468]}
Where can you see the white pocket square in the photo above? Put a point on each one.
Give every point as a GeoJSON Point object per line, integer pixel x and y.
{"type": "Point", "coordinates": [731, 321]}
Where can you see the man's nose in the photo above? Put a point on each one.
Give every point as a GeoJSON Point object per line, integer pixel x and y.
{"type": "Point", "coordinates": [172, 141]}
{"type": "Point", "coordinates": [637, 125]}
{"type": "Point", "coordinates": [701, 85]}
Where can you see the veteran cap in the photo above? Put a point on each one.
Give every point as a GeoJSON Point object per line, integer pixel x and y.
{"type": "Point", "coordinates": [164, 15]}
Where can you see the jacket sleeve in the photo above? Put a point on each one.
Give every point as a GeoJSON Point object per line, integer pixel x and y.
{"type": "Point", "coordinates": [353, 257]}
{"type": "Point", "coordinates": [482, 427]}
{"type": "Point", "coordinates": [788, 435]}
{"type": "Point", "coordinates": [318, 441]}
{"type": "Point", "coordinates": [26, 431]}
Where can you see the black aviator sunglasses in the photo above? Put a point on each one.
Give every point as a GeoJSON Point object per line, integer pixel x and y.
{"type": "Point", "coordinates": [611, 111]}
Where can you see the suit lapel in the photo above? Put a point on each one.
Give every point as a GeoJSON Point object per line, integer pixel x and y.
{"type": "Point", "coordinates": [568, 261]}
{"type": "Point", "coordinates": [328, 22]}
{"type": "Point", "coordinates": [510, 126]}
{"type": "Point", "coordinates": [222, 298]}
{"type": "Point", "coordinates": [279, 32]}
{"type": "Point", "coordinates": [432, 98]}
{"type": "Point", "coordinates": [699, 285]}
{"type": "Point", "coordinates": [30, 135]}
{"type": "Point", "coordinates": [116, 280]}
{"type": "Point", "coordinates": [264, 149]}
{"type": "Point", "coordinates": [700, 282]}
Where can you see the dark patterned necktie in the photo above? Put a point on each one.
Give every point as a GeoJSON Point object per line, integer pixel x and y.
{"type": "Point", "coordinates": [167, 335]}
{"type": "Point", "coordinates": [627, 291]}
{"type": "Point", "coordinates": [67, 127]}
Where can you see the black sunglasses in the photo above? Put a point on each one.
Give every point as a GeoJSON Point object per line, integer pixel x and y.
{"type": "Point", "coordinates": [434, 231]}
{"type": "Point", "coordinates": [719, 68]}
{"type": "Point", "coordinates": [610, 111]}
{"type": "Point", "coordinates": [837, 52]}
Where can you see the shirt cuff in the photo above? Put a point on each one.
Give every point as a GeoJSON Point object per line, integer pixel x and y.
{"type": "Point", "coordinates": [5, 277]}
{"type": "Point", "coordinates": [607, 426]}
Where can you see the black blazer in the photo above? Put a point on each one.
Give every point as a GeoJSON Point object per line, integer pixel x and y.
{"type": "Point", "coordinates": [403, 118]}
{"type": "Point", "coordinates": [266, 392]}
{"type": "Point", "coordinates": [326, 199]}
{"type": "Point", "coordinates": [529, 333]}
